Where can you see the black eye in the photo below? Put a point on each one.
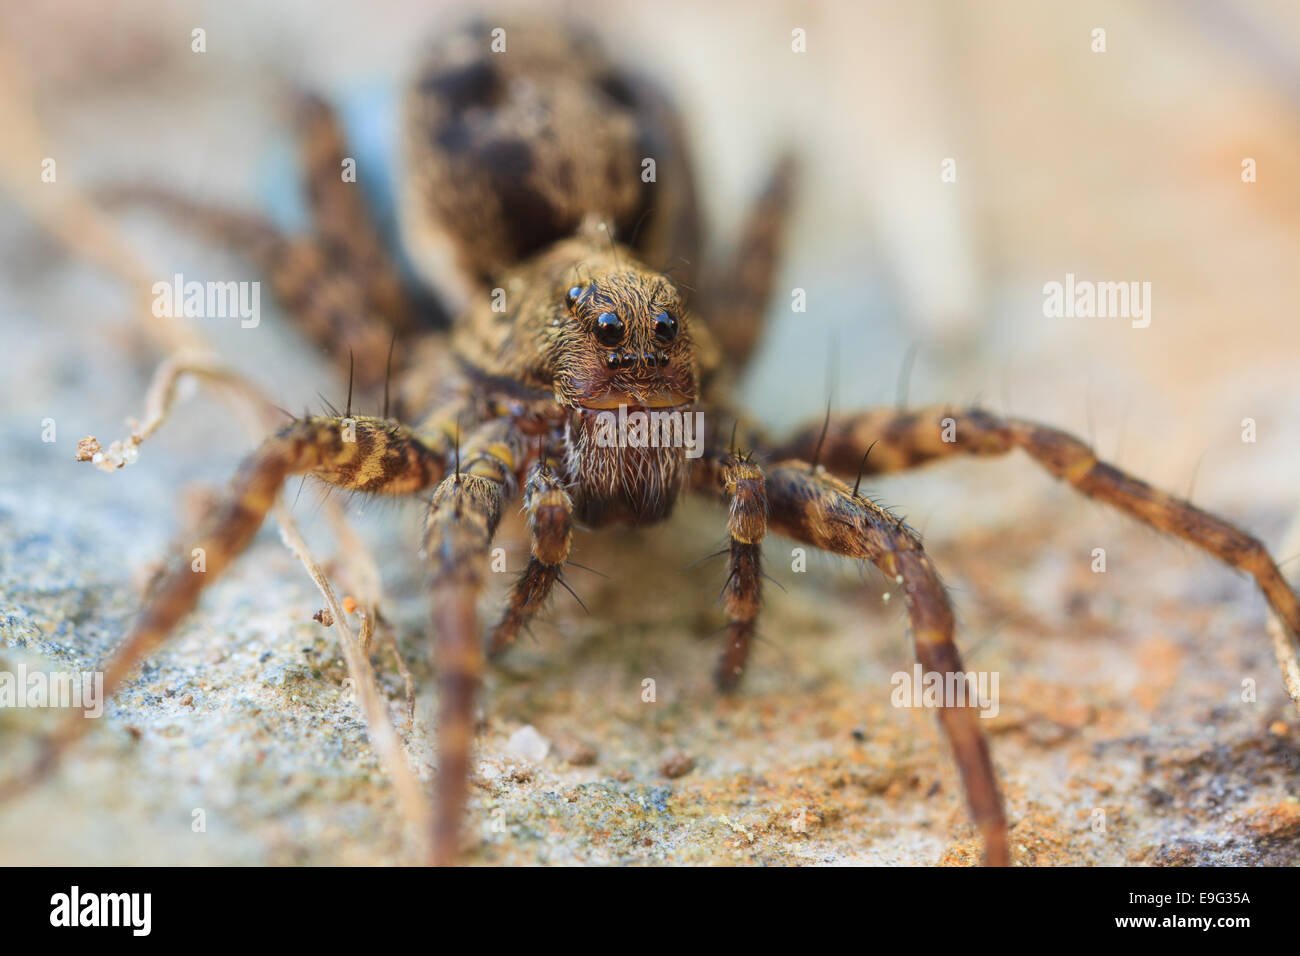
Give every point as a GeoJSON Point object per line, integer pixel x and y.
{"type": "Point", "coordinates": [571, 297]}
{"type": "Point", "coordinates": [665, 327]}
{"type": "Point", "coordinates": [609, 329]}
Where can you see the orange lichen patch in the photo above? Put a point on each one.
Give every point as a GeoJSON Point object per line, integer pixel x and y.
{"type": "Point", "coordinates": [349, 604]}
{"type": "Point", "coordinates": [1279, 728]}
{"type": "Point", "coordinates": [773, 808]}
{"type": "Point", "coordinates": [1047, 713]}
{"type": "Point", "coordinates": [967, 852]}
{"type": "Point", "coordinates": [1275, 821]}
{"type": "Point", "coordinates": [1038, 838]}
{"type": "Point", "coordinates": [1158, 662]}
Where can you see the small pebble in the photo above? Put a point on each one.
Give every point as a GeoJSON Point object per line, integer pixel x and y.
{"type": "Point", "coordinates": [574, 751]}
{"type": "Point", "coordinates": [527, 744]}
{"type": "Point", "coordinates": [677, 765]}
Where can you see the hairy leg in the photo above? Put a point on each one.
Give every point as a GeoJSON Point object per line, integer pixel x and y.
{"type": "Point", "coordinates": [736, 297]}
{"type": "Point", "coordinates": [741, 485]}
{"type": "Point", "coordinates": [906, 439]}
{"type": "Point", "coordinates": [361, 454]}
{"type": "Point", "coordinates": [463, 517]}
{"type": "Point", "coordinates": [338, 285]}
{"type": "Point", "coordinates": [346, 231]}
{"type": "Point", "coordinates": [325, 299]}
{"type": "Point", "coordinates": [816, 508]}
{"type": "Point", "coordinates": [670, 234]}
{"type": "Point", "coordinates": [550, 527]}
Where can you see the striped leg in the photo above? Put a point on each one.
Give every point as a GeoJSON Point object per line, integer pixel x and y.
{"type": "Point", "coordinates": [319, 293]}
{"type": "Point", "coordinates": [346, 231]}
{"type": "Point", "coordinates": [338, 285]}
{"type": "Point", "coordinates": [820, 510]}
{"type": "Point", "coordinates": [908, 439]}
{"type": "Point", "coordinates": [736, 300]}
{"type": "Point", "coordinates": [361, 454]}
{"type": "Point", "coordinates": [550, 526]}
{"type": "Point", "coordinates": [463, 517]}
{"type": "Point", "coordinates": [741, 485]}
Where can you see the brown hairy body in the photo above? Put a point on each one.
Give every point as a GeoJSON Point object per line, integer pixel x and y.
{"type": "Point", "coordinates": [577, 293]}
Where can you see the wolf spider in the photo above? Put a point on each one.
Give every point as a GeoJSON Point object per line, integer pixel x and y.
{"type": "Point", "coordinates": [521, 169]}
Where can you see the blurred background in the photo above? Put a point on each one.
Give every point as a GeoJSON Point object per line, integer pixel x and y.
{"type": "Point", "coordinates": [1123, 165]}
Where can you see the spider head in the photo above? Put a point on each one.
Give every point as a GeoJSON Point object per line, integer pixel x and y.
{"type": "Point", "coordinates": [623, 342]}
{"type": "Point", "coordinates": [622, 356]}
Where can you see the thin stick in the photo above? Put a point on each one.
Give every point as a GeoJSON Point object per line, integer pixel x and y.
{"type": "Point", "coordinates": [67, 215]}
{"type": "Point", "coordinates": [258, 414]}
{"type": "Point", "coordinates": [1286, 646]}
{"type": "Point", "coordinates": [383, 737]}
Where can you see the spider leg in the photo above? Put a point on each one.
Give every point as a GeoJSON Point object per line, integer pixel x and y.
{"type": "Point", "coordinates": [741, 485]}
{"type": "Point", "coordinates": [462, 519]}
{"type": "Point", "coordinates": [736, 297]}
{"type": "Point", "coordinates": [318, 293]}
{"type": "Point", "coordinates": [816, 508]}
{"type": "Point", "coordinates": [339, 285]}
{"type": "Point", "coordinates": [362, 454]}
{"type": "Point", "coordinates": [550, 526]}
{"type": "Point", "coordinates": [908, 439]}
{"type": "Point", "coordinates": [668, 232]}
{"type": "Point", "coordinates": [346, 230]}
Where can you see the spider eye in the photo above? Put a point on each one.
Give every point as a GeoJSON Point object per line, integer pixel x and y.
{"type": "Point", "coordinates": [609, 329]}
{"type": "Point", "coordinates": [665, 327]}
{"type": "Point", "coordinates": [571, 297]}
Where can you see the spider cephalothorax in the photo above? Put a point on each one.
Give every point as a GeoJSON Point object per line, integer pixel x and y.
{"type": "Point", "coordinates": [562, 331]}
{"type": "Point", "coordinates": [609, 339]}
{"type": "Point", "coordinates": [624, 368]}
